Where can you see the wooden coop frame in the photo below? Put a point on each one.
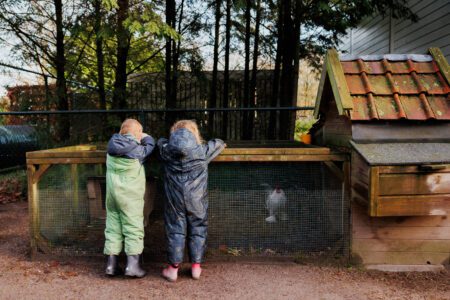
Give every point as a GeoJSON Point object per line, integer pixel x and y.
{"type": "Point", "coordinates": [39, 162]}
{"type": "Point", "coordinates": [389, 101]}
{"type": "Point", "coordinates": [392, 114]}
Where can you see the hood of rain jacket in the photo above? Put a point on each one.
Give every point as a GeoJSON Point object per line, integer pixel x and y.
{"type": "Point", "coordinates": [181, 153]}
{"type": "Point", "coordinates": [127, 146]}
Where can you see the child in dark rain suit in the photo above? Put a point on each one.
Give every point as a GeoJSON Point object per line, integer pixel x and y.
{"type": "Point", "coordinates": [186, 159]}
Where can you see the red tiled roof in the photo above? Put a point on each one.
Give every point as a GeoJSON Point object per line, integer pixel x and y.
{"type": "Point", "coordinates": [396, 87]}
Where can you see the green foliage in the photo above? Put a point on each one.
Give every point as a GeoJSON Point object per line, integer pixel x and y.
{"type": "Point", "coordinates": [304, 124]}
{"type": "Point", "coordinates": [29, 26]}
{"type": "Point", "coordinates": [147, 32]}
{"type": "Point", "coordinates": [110, 4]}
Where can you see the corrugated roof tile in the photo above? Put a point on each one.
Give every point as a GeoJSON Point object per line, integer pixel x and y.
{"type": "Point", "coordinates": [392, 87]}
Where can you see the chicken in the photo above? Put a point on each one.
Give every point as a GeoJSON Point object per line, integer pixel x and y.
{"type": "Point", "coordinates": [275, 203]}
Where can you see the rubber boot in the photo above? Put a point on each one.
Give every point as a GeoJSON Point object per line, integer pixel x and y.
{"type": "Point", "coordinates": [196, 271]}
{"type": "Point", "coordinates": [170, 273]}
{"type": "Point", "coordinates": [112, 268]}
{"type": "Point", "coordinates": [134, 268]}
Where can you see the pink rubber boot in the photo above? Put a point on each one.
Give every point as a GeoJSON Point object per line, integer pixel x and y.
{"type": "Point", "coordinates": [196, 271]}
{"type": "Point", "coordinates": [170, 273]}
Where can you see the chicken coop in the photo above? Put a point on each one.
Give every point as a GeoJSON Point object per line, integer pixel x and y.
{"type": "Point", "coordinates": [391, 113]}
{"type": "Point", "coordinates": [265, 200]}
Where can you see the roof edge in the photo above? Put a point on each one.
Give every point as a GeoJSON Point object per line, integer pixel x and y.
{"type": "Point", "coordinates": [441, 61]}
{"type": "Point", "coordinates": [332, 69]}
{"type": "Point", "coordinates": [389, 57]}
{"type": "Point", "coordinates": [338, 83]}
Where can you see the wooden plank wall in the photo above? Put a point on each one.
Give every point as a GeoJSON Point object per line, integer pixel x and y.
{"type": "Point", "coordinates": [400, 240]}
{"type": "Point", "coordinates": [432, 30]}
{"type": "Point", "coordinates": [378, 35]}
{"type": "Point", "coordinates": [360, 178]}
{"type": "Point", "coordinates": [337, 130]}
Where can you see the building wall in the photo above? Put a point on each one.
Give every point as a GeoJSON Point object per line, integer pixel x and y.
{"type": "Point", "coordinates": [381, 35]}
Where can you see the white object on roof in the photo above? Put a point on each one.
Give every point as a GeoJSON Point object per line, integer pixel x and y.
{"type": "Point", "coordinates": [390, 57]}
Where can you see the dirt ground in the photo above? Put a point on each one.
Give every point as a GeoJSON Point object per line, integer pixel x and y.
{"type": "Point", "coordinates": [82, 278]}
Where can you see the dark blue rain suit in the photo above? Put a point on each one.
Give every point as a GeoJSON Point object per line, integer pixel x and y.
{"type": "Point", "coordinates": [186, 187]}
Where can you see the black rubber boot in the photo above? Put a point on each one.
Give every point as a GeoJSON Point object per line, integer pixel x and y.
{"type": "Point", "coordinates": [134, 268]}
{"type": "Point", "coordinates": [112, 268]}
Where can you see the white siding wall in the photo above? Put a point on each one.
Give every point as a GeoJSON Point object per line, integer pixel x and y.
{"type": "Point", "coordinates": [378, 35]}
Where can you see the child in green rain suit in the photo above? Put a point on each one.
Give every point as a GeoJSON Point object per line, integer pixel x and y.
{"type": "Point", "coordinates": [125, 188]}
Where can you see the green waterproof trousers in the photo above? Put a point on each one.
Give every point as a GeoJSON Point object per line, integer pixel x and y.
{"type": "Point", "coordinates": [125, 188]}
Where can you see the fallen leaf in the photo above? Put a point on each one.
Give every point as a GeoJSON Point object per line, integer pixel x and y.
{"type": "Point", "coordinates": [54, 264]}
{"type": "Point", "coordinates": [71, 274]}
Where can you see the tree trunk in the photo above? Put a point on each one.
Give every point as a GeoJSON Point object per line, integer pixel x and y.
{"type": "Point", "coordinates": [247, 126]}
{"type": "Point", "coordinates": [99, 54]}
{"type": "Point", "coordinates": [273, 121]}
{"type": "Point", "coordinates": [170, 103]}
{"type": "Point", "coordinates": [255, 61]}
{"type": "Point", "coordinates": [60, 62]}
{"type": "Point", "coordinates": [123, 44]}
{"type": "Point", "coordinates": [296, 61]}
{"type": "Point", "coordinates": [286, 91]}
{"type": "Point", "coordinates": [100, 65]}
{"type": "Point", "coordinates": [213, 100]}
{"type": "Point", "coordinates": [176, 56]}
{"type": "Point", "coordinates": [226, 73]}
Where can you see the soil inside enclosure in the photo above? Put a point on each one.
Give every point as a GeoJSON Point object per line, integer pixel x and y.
{"type": "Point", "coordinates": [52, 277]}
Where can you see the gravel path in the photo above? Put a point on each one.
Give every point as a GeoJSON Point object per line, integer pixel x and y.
{"type": "Point", "coordinates": [82, 278]}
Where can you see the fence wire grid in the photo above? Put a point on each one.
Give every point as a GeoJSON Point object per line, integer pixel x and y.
{"type": "Point", "coordinates": [314, 219]}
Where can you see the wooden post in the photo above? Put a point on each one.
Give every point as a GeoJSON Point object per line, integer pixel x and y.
{"type": "Point", "coordinates": [34, 175]}
{"type": "Point", "coordinates": [33, 208]}
{"type": "Point", "coordinates": [346, 170]}
{"type": "Point", "coordinates": [74, 178]}
{"type": "Point", "coordinates": [373, 193]}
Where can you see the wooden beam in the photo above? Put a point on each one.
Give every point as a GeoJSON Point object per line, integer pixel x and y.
{"type": "Point", "coordinates": [417, 205]}
{"type": "Point", "coordinates": [409, 169]}
{"type": "Point", "coordinates": [338, 82]}
{"type": "Point", "coordinates": [442, 63]}
{"type": "Point", "coordinates": [323, 78]}
{"type": "Point", "coordinates": [227, 151]}
{"type": "Point", "coordinates": [41, 171]}
{"type": "Point", "coordinates": [280, 158]}
{"type": "Point", "coordinates": [275, 151]}
{"type": "Point", "coordinates": [373, 191]}
{"type": "Point", "coordinates": [64, 154]}
{"type": "Point", "coordinates": [361, 219]}
{"type": "Point", "coordinates": [414, 184]}
{"type": "Point", "coordinates": [38, 161]}
{"type": "Point", "coordinates": [394, 232]}
{"type": "Point", "coordinates": [229, 154]}
{"type": "Point", "coordinates": [335, 170]}
{"type": "Point", "coordinates": [403, 258]}
{"type": "Point", "coordinates": [402, 245]}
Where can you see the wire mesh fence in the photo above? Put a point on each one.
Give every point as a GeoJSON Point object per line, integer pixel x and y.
{"type": "Point", "coordinates": [245, 218]}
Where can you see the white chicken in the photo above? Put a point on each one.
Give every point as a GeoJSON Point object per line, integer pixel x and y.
{"type": "Point", "coordinates": [275, 203]}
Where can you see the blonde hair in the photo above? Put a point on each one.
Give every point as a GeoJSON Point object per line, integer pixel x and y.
{"type": "Point", "coordinates": [189, 125]}
{"type": "Point", "coordinates": [131, 126]}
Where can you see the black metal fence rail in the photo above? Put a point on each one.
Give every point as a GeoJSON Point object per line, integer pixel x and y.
{"type": "Point", "coordinates": [97, 126]}
{"type": "Point", "coordinates": [135, 111]}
